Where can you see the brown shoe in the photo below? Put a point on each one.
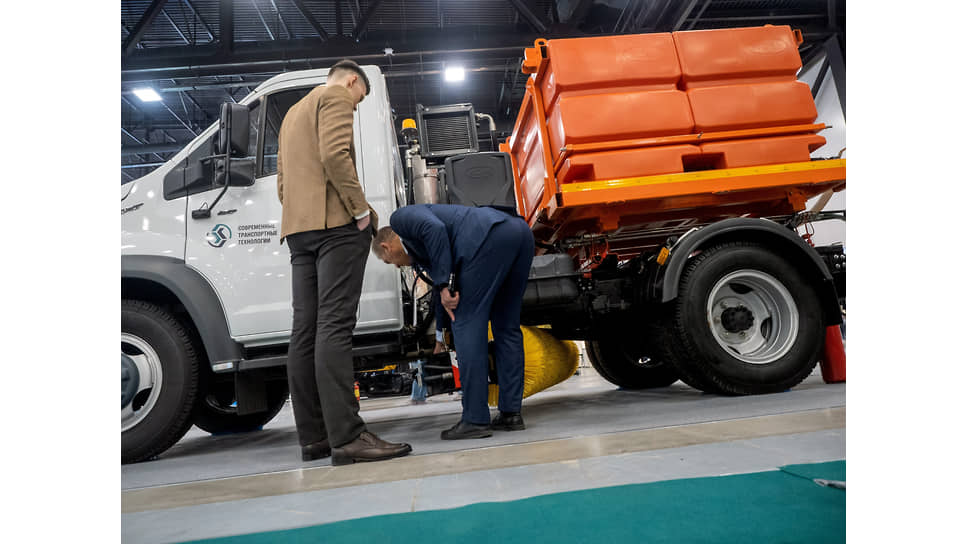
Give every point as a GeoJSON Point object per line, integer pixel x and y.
{"type": "Point", "coordinates": [368, 447]}
{"type": "Point", "coordinates": [316, 450]}
{"type": "Point", "coordinates": [384, 444]}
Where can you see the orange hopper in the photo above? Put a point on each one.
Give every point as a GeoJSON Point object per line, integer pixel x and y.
{"type": "Point", "coordinates": [620, 136]}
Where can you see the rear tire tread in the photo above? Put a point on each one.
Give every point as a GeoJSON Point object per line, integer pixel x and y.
{"type": "Point", "coordinates": [667, 349]}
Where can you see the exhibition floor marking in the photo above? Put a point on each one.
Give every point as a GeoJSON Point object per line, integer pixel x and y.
{"type": "Point", "coordinates": [484, 458]}
{"type": "Point", "coordinates": [782, 505]}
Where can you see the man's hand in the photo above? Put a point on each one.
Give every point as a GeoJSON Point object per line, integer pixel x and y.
{"type": "Point", "coordinates": [362, 224]}
{"type": "Point", "coordinates": [449, 302]}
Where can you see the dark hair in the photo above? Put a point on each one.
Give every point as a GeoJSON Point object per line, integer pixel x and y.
{"type": "Point", "coordinates": [348, 65]}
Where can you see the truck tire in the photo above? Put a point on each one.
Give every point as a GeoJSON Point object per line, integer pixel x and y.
{"type": "Point", "coordinates": [215, 414]}
{"type": "Point", "coordinates": [746, 321]}
{"type": "Point", "coordinates": [664, 344]}
{"type": "Point", "coordinates": [628, 367]}
{"type": "Point", "coordinates": [157, 354]}
{"type": "Point", "coordinates": [595, 360]}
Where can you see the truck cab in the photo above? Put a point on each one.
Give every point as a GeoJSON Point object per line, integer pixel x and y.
{"type": "Point", "coordinates": [216, 286]}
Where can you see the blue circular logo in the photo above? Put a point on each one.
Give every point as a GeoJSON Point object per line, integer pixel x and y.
{"type": "Point", "coordinates": [219, 235]}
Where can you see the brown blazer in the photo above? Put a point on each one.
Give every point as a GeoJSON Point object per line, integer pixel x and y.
{"type": "Point", "coordinates": [317, 181]}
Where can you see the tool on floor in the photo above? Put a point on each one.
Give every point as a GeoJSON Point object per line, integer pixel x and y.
{"type": "Point", "coordinates": [836, 484]}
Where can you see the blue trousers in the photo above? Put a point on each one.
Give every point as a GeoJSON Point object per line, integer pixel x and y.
{"type": "Point", "coordinates": [492, 285]}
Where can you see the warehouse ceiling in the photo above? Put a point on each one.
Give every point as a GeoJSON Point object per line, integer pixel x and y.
{"type": "Point", "coordinates": [198, 54]}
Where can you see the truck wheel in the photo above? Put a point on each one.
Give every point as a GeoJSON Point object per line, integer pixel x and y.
{"type": "Point", "coordinates": [628, 367]}
{"type": "Point", "coordinates": [664, 343]}
{"type": "Point", "coordinates": [595, 359]}
{"type": "Point", "coordinates": [215, 414]}
{"type": "Point", "coordinates": [746, 321]}
{"type": "Point", "coordinates": [159, 380]}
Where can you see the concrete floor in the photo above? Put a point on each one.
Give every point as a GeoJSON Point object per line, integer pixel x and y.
{"type": "Point", "coordinates": [583, 433]}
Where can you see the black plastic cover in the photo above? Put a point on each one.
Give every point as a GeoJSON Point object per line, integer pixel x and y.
{"type": "Point", "coordinates": [480, 179]}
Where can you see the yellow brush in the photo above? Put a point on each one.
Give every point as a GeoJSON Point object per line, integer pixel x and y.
{"type": "Point", "coordinates": [547, 362]}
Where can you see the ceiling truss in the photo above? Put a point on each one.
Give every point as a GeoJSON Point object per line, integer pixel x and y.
{"type": "Point", "coordinates": [200, 53]}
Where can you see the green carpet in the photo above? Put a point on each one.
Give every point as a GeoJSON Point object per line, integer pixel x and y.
{"type": "Point", "coordinates": [780, 506]}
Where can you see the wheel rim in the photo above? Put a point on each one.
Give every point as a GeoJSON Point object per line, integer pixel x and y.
{"type": "Point", "coordinates": [129, 379]}
{"type": "Point", "coordinates": [149, 376]}
{"type": "Point", "coordinates": [752, 316]}
{"type": "Point", "coordinates": [648, 363]}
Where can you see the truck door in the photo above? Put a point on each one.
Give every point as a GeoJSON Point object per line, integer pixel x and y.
{"type": "Point", "coordinates": [238, 247]}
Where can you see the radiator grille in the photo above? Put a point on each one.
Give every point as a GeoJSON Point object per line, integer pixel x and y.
{"type": "Point", "coordinates": [448, 132]}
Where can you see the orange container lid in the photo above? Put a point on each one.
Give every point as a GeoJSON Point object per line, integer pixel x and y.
{"type": "Point", "coordinates": [611, 61]}
{"type": "Point", "coordinates": [625, 163]}
{"type": "Point", "coordinates": [757, 151]}
{"type": "Point", "coordinates": [736, 107]}
{"type": "Point", "coordinates": [733, 53]}
{"type": "Point", "coordinates": [616, 116]}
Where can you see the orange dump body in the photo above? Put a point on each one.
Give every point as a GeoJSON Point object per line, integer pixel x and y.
{"type": "Point", "coordinates": [624, 140]}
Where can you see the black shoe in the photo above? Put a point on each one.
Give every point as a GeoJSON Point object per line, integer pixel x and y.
{"type": "Point", "coordinates": [316, 450]}
{"type": "Point", "coordinates": [508, 421]}
{"type": "Point", "coordinates": [466, 430]}
{"type": "Point", "coordinates": [368, 447]}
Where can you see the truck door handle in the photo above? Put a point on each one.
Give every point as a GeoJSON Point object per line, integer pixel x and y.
{"type": "Point", "coordinates": [227, 212]}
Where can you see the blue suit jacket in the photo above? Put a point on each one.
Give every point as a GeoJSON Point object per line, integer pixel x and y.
{"type": "Point", "coordinates": [439, 237]}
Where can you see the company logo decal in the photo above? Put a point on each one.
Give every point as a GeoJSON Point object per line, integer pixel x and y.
{"type": "Point", "coordinates": [259, 233]}
{"type": "Point", "coordinates": [262, 233]}
{"type": "Point", "coordinates": [219, 235]}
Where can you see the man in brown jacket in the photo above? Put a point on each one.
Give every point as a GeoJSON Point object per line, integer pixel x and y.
{"type": "Point", "coordinates": [328, 225]}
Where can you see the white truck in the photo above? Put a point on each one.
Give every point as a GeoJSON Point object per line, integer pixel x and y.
{"type": "Point", "coordinates": [206, 296]}
{"type": "Point", "coordinates": [206, 305]}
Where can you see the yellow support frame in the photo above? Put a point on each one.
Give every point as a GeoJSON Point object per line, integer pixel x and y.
{"type": "Point", "coordinates": [811, 178]}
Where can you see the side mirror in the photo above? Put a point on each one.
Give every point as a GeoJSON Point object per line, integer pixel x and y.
{"type": "Point", "coordinates": [233, 130]}
{"type": "Point", "coordinates": [233, 142]}
{"type": "Point", "coordinates": [242, 173]}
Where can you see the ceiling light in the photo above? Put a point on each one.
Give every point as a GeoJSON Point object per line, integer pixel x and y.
{"type": "Point", "coordinates": [147, 95]}
{"type": "Point", "coordinates": [454, 73]}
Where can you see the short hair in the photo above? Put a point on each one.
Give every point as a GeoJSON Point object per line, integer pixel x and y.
{"type": "Point", "coordinates": [385, 234]}
{"type": "Point", "coordinates": [347, 66]}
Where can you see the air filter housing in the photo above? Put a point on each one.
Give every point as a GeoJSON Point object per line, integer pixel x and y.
{"type": "Point", "coordinates": [447, 130]}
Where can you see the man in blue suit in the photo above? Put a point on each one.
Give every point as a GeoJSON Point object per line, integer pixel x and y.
{"type": "Point", "coordinates": [484, 255]}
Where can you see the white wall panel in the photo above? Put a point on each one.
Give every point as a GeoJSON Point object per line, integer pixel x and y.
{"type": "Point", "coordinates": [829, 113]}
